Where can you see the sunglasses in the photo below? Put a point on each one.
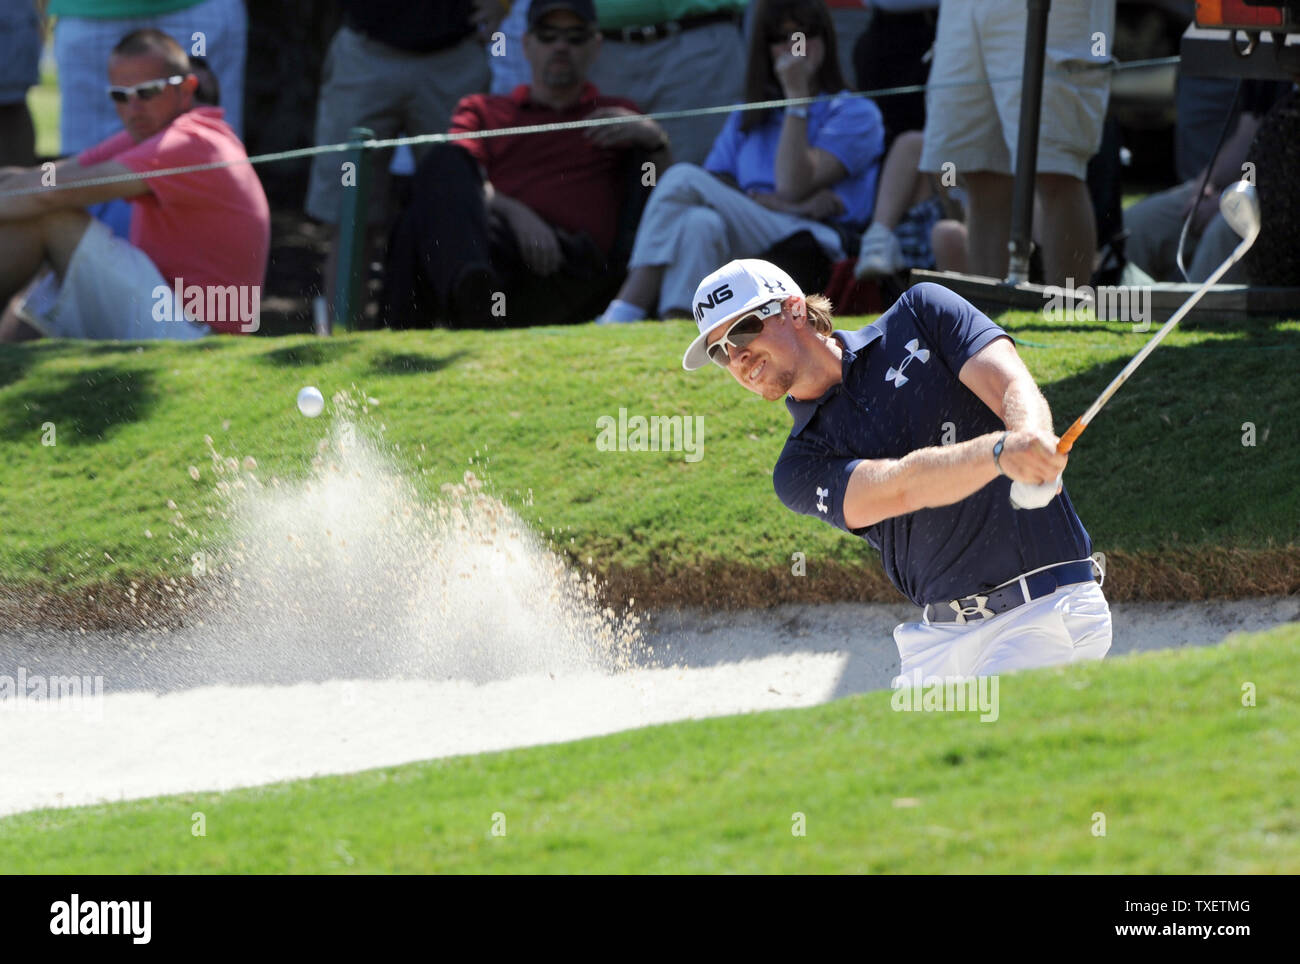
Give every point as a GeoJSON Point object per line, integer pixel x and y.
{"type": "Point", "coordinates": [573, 36]}
{"type": "Point", "coordinates": [741, 332]}
{"type": "Point", "coordinates": [146, 91]}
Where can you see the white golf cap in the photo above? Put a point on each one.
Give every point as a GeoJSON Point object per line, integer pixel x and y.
{"type": "Point", "coordinates": [735, 288]}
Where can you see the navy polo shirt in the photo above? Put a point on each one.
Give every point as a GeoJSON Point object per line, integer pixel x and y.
{"type": "Point", "coordinates": [899, 389]}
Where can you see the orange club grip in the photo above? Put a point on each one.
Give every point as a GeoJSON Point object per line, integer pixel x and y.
{"type": "Point", "coordinates": [1067, 440]}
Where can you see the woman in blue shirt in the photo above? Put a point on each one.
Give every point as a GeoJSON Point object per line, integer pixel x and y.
{"type": "Point", "coordinates": [771, 174]}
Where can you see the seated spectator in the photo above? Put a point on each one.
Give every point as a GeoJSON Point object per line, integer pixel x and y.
{"type": "Point", "coordinates": [117, 213]}
{"type": "Point", "coordinates": [771, 173]}
{"type": "Point", "coordinates": [1155, 224]}
{"type": "Point", "coordinates": [522, 229]}
{"type": "Point", "coordinates": [204, 231]}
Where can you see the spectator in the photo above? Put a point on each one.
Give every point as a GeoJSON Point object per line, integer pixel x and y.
{"type": "Point", "coordinates": [86, 31]}
{"type": "Point", "coordinates": [1155, 224]}
{"type": "Point", "coordinates": [394, 66]}
{"type": "Point", "coordinates": [533, 218]}
{"type": "Point", "coordinates": [20, 54]}
{"type": "Point", "coordinates": [973, 124]}
{"type": "Point", "coordinates": [895, 52]}
{"type": "Point", "coordinates": [669, 55]}
{"type": "Point", "coordinates": [204, 231]}
{"type": "Point", "coordinates": [771, 173]}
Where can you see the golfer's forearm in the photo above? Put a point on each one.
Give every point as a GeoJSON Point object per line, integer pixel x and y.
{"type": "Point", "coordinates": [926, 478]}
{"type": "Point", "coordinates": [1025, 409]}
{"type": "Point", "coordinates": [944, 474]}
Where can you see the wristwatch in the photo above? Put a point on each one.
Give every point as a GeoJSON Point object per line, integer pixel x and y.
{"type": "Point", "coordinates": [997, 451]}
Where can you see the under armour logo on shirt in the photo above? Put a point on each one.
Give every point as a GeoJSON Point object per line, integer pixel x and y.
{"type": "Point", "coordinates": [821, 495]}
{"type": "Point", "coordinates": [914, 351]}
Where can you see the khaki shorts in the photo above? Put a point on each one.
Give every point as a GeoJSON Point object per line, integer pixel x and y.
{"type": "Point", "coordinates": [112, 291]}
{"type": "Point", "coordinates": [973, 101]}
{"type": "Point", "coordinates": [366, 83]}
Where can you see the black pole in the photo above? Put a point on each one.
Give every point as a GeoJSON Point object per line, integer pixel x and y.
{"type": "Point", "coordinates": [1031, 104]}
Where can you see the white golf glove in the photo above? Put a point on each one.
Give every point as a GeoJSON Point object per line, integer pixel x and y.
{"type": "Point", "coordinates": [1026, 496]}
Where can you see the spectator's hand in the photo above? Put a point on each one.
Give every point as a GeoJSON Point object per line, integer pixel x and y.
{"type": "Point", "coordinates": [795, 75]}
{"type": "Point", "coordinates": [643, 133]}
{"type": "Point", "coordinates": [821, 205]}
{"type": "Point", "coordinates": [538, 243]}
{"type": "Point", "coordinates": [486, 15]}
{"type": "Point", "coordinates": [770, 201]}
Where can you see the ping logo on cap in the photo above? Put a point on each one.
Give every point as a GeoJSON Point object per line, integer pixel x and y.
{"type": "Point", "coordinates": [716, 297]}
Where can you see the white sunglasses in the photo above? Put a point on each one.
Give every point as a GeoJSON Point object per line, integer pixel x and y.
{"type": "Point", "coordinates": [742, 331]}
{"type": "Point", "coordinates": [145, 91]}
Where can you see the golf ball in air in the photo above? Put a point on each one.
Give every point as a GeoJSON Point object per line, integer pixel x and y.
{"type": "Point", "coordinates": [310, 401]}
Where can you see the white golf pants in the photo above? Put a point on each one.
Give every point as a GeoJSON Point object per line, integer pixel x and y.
{"type": "Point", "coordinates": [1066, 626]}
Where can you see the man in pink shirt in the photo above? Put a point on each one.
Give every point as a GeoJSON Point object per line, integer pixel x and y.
{"type": "Point", "coordinates": [198, 245]}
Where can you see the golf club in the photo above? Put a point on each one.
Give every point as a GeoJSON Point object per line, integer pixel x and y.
{"type": "Point", "coordinates": [1239, 206]}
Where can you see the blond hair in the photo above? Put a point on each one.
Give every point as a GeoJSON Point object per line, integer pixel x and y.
{"type": "Point", "coordinates": [819, 314]}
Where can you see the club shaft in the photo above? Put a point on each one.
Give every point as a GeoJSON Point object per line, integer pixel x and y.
{"type": "Point", "coordinates": [1075, 430]}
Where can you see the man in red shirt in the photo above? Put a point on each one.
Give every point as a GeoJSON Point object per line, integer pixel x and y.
{"type": "Point", "coordinates": [198, 245]}
{"type": "Point", "coordinates": [521, 229]}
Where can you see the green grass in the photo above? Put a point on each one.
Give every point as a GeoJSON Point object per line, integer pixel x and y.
{"type": "Point", "coordinates": [1163, 466]}
{"type": "Point", "coordinates": [1188, 780]}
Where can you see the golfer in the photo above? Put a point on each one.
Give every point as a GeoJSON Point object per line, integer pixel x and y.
{"type": "Point", "coordinates": [908, 433]}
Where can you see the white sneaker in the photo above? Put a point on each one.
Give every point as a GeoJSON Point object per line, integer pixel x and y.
{"type": "Point", "coordinates": [881, 254]}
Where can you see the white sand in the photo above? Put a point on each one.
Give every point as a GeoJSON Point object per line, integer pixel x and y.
{"type": "Point", "coordinates": [170, 722]}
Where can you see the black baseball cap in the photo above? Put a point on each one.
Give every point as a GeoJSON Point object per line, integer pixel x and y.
{"type": "Point", "coordinates": [584, 9]}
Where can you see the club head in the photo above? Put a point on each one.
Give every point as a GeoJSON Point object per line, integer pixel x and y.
{"type": "Point", "coordinates": [1240, 208]}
